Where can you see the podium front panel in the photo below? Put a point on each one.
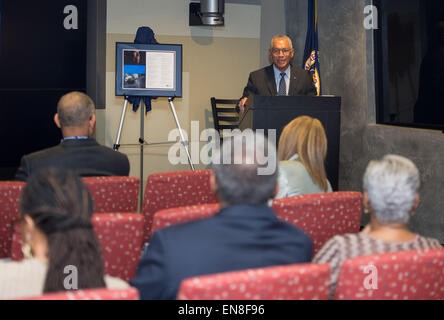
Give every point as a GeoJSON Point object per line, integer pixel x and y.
{"type": "Point", "coordinates": [277, 111]}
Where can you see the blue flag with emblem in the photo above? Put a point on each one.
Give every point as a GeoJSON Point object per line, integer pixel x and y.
{"type": "Point", "coordinates": [310, 60]}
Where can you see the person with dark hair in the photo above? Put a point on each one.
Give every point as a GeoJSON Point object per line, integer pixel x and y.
{"type": "Point", "coordinates": [279, 78]}
{"type": "Point", "coordinates": [55, 215]}
{"type": "Point", "coordinates": [245, 233]}
{"type": "Point", "coordinates": [78, 151]}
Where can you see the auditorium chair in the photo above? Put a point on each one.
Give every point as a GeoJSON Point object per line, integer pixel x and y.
{"type": "Point", "coordinates": [404, 275]}
{"type": "Point", "coordinates": [120, 237]}
{"type": "Point", "coordinates": [322, 216]}
{"type": "Point", "coordinates": [109, 194]}
{"type": "Point", "coordinates": [225, 115]}
{"type": "Point", "coordinates": [9, 211]}
{"type": "Point", "coordinates": [290, 282]}
{"type": "Point", "coordinates": [90, 294]}
{"type": "Point", "coordinates": [175, 189]}
{"type": "Point", "coordinates": [114, 194]}
{"type": "Point", "coordinates": [167, 217]}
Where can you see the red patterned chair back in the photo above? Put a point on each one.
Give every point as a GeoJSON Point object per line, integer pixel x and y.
{"type": "Point", "coordinates": [114, 194]}
{"type": "Point", "coordinates": [290, 282]}
{"type": "Point", "coordinates": [168, 217]}
{"type": "Point", "coordinates": [16, 245]}
{"type": "Point", "coordinates": [91, 294]}
{"type": "Point", "coordinates": [9, 210]}
{"type": "Point", "coordinates": [120, 237]}
{"type": "Point", "coordinates": [175, 189]}
{"type": "Point", "coordinates": [404, 275]}
{"type": "Point", "coordinates": [322, 215]}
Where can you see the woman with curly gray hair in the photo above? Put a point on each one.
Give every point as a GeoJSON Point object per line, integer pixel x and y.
{"type": "Point", "coordinates": [390, 197]}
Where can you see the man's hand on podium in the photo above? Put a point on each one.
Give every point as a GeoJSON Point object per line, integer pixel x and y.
{"type": "Point", "coordinates": [242, 104]}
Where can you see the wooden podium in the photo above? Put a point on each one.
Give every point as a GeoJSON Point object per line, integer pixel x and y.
{"type": "Point", "coordinates": [265, 112]}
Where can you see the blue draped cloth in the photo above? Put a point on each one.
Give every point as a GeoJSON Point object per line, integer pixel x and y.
{"type": "Point", "coordinates": [144, 35]}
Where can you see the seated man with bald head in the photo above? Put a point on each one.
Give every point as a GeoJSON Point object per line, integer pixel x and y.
{"type": "Point", "coordinates": [78, 151]}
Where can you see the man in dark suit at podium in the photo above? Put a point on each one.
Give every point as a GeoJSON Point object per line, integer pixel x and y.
{"type": "Point", "coordinates": [78, 151]}
{"type": "Point", "coordinates": [279, 78]}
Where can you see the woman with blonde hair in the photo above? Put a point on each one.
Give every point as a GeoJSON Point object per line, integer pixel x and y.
{"type": "Point", "coordinates": [302, 151]}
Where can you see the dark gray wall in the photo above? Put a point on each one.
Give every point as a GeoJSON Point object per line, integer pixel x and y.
{"type": "Point", "coordinates": [272, 23]}
{"type": "Point", "coordinates": [346, 55]}
{"type": "Point", "coordinates": [96, 52]}
{"type": "Point", "coordinates": [96, 62]}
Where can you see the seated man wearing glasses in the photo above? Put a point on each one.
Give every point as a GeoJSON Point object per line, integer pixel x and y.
{"type": "Point", "coordinates": [279, 79]}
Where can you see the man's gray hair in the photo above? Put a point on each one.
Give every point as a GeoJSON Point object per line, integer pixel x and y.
{"type": "Point", "coordinates": [392, 184]}
{"type": "Point", "coordinates": [281, 36]}
{"type": "Point", "coordinates": [238, 167]}
{"type": "Point", "coordinates": [75, 109]}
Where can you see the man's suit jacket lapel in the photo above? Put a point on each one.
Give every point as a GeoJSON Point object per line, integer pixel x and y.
{"type": "Point", "coordinates": [293, 81]}
{"type": "Point", "coordinates": [271, 82]}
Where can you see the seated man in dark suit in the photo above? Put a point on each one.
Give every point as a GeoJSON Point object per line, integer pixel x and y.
{"type": "Point", "coordinates": [78, 151]}
{"type": "Point", "coordinates": [279, 78]}
{"type": "Point", "coordinates": [245, 233]}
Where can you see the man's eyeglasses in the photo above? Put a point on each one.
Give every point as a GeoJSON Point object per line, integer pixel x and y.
{"type": "Point", "coordinates": [276, 51]}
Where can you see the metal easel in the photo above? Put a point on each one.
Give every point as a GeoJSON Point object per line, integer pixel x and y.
{"type": "Point", "coordinates": [142, 141]}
